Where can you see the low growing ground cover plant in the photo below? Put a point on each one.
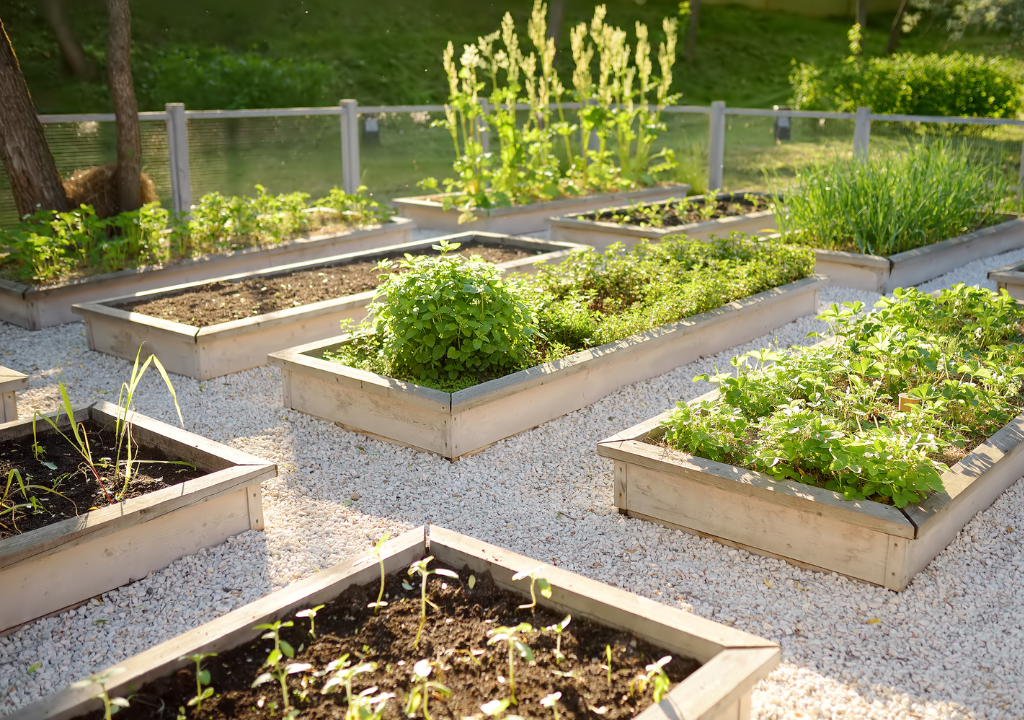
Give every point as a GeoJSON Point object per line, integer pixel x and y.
{"type": "Point", "coordinates": [548, 152]}
{"type": "Point", "coordinates": [831, 415]}
{"type": "Point", "coordinates": [450, 323]}
{"type": "Point", "coordinates": [445, 645]}
{"type": "Point", "coordinates": [48, 246]}
{"type": "Point", "coordinates": [673, 213]}
{"type": "Point", "coordinates": [895, 200]}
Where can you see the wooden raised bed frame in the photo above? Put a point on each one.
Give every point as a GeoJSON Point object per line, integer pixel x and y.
{"type": "Point", "coordinates": [1011, 279]}
{"type": "Point", "coordinates": [229, 347]}
{"type": "Point", "coordinates": [520, 219]}
{"type": "Point", "coordinates": [599, 234]}
{"type": "Point", "coordinates": [10, 381]}
{"type": "Point", "coordinates": [731, 661]}
{"type": "Point", "coordinates": [464, 422]}
{"type": "Point", "coordinates": [38, 306]}
{"type": "Point", "coordinates": [913, 267]}
{"type": "Point", "coordinates": [806, 525]}
{"type": "Point", "coordinates": [54, 567]}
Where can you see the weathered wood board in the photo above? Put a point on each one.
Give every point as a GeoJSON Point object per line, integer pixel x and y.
{"type": "Point", "coordinates": [10, 382]}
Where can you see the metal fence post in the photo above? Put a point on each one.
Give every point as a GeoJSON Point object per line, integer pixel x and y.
{"type": "Point", "coordinates": [177, 151]}
{"type": "Point", "coordinates": [349, 145]}
{"type": "Point", "coordinates": [485, 134]}
{"type": "Point", "coordinates": [862, 133]}
{"type": "Point", "coordinates": [1020, 176]}
{"type": "Point", "coordinates": [716, 145]}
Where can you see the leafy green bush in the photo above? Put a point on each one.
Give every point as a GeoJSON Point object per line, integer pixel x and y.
{"type": "Point", "coordinates": [957, 85]}
{"type": "Point", "coordinates": [589, 299]}
{"type": "Point", "coordinates": [829, 415]}
{"type": "Point", "coordinates": [221, 80]}
{"type": "Point", "coordinates": [896, 200]}
{"type": "Point", "coordinates": [49, 246]}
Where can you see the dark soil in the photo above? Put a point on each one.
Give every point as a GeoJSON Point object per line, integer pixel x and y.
{"type": "Point", "coordinates": [220, 302]}
{"type": "Point", "coordinates": [677, 213]}
{"type": "Point", "coordinates": [454, 639]}
{"type": "Point", "coordinates": [78, 489]}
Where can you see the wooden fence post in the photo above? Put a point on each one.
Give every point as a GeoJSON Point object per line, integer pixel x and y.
{"type": "Point", "coordinates": [349, 145]}
{"type": "Point", "coordinates": [716, 146]}
{"type": "Point", "coordinates": [177, 151]}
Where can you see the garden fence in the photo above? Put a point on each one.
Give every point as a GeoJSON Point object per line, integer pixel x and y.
{"type": "Point", "coordinates": [188, 153]}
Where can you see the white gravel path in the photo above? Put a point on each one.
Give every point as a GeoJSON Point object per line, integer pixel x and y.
{"type": "Point", "coordinates": [950, 646]}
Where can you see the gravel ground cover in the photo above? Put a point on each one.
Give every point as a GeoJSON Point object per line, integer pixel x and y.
{"type": "Point", "coordinates": [950, 646]}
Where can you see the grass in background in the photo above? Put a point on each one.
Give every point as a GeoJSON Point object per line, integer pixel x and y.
{"type": "Point", "coordinates": [896, 200]}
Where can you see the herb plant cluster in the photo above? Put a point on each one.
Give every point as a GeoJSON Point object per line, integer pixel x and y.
{"type": "Point", "coordinates": [50, 246]}
{"type": "Point", "coordinates": [673, 212]}
{"type": "Point", "coordinates": [832, 416]}
{"type": "Point", "coordinates": [436, 332]}
{"type": "Point", "coordinates": [545, 153]}
{"type": "Point", "coordinates": [474, 653]}
{"type": "Point", "coordinates": [896, 200]}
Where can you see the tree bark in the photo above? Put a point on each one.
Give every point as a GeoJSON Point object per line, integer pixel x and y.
{"type": "Point", "coordinates": [33, 174]}
{"type": "Point", "coordinates": [555, 10]}
{"type": "Point", "coordinates": [690, 51]}
{"type": "Point", "coordinates": [128, 178]}
{"type": "Point", "coordinates": [896, 30]}
{"type": "Point", "coordinates": [70, 47]}
{"type": "Point", "coordinates": [862, 14]}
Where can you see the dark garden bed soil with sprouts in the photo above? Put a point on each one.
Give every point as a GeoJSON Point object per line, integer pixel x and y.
{"type": "Point", "coordinates": [675, 214]}
{"type": "Point", "coordinates": [71, 477]}
{"type": "Point", "coordinates": [219, 302]}
{"type": "Point", "coordinates": [455, 640]}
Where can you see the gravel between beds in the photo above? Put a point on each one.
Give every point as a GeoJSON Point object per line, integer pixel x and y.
{"type": "Point", "coordinates": [951, 645]}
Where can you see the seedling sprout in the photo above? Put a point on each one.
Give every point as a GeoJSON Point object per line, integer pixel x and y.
{"type": "Point", "coordinates": [516, 645]}
{"type": "Point", "coordinates": [557, 629]}
{"type": "Point", "coordinates": [202, 680]}
{"type": "Point", "coordinates": [655, 677]}
{"type": "Point", "coordinates": [380, 560]}
{"type": "Point", "coordinates": [311, 614]}
{"type": "Point", "coordinates": [282, 649]}
{"type": "Point", "coordinates": [544, 585]}
{"type": "Point", "coordinates": [110, 705]}
{"type": "Point", "coordinates": [420, 566]}
{"type": "Point", "coordinates": [421, 691]}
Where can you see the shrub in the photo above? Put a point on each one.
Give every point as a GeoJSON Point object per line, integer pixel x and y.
{"type": "Point", "coordinates": [220, 80]}
{"type": "Point", "coordinates": [954, 85]}
{"type": "Point", "coordinates": [894, 201]}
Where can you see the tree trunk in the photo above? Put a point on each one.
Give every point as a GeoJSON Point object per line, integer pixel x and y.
{"type": "Point", "coordinates": [862, 14]}
{"type": "Point", "coordinates": [894, 33]}
{"type": "Point", "coordinates": [128, 178]}
{"type": "Point", "coordinates": [70, 48]}
{"type": "Point", "coordinates": [33, 174]}
{"type": "Point", "coordinates": [690, 52]}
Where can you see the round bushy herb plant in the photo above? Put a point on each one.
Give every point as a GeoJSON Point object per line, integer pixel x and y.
{"type": "Point", "coordinates": [448, 316]}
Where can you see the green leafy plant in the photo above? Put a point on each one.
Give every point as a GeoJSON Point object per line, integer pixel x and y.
{"type": "Point", "coordinates": [830, 416]}
{"type": "Point", "coordinates": [363, 705]}
{"type": "Point", "coordinates": [311, 614]}
{"type": "Point", "coordinates": [535, 582]}
{"type": "Point", "coordinates": [421, 567]}
{"type": "Point", "coordinates": [424, 687]}
{"type": "Point", "coordinates": [513, 637]}
{"type": "Point", "coordinates": [10, 505]}
{"type": "Point", "coordinates": [380, 561]}
{"type": "Point", "coordinates": [203, 688]}
{"type": "Point", "coordinates": [557, 629]}
{"type": "Point", "coordinates": [110, 705]}
{"type": "Point", "coordinates": [278, 669]}
{"type": "Point", "coordinates": [656, 678]}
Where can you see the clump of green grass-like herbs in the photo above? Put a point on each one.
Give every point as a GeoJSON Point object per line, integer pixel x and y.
{"type": "Point", "coordinates": [895, 200]}
{"type": "Point", "coordinates": [450, 323]}
{"type": "Point", "coordinates": [830, 415]}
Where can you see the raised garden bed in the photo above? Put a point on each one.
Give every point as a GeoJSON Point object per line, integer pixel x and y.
{"type": "Point", "coordinates": [54, 566]}
{"type": "Point", "coordinates": [730, 662]}
{"type": "Point", "coordinates": [862, 455]}
{"type": "Point", "coordinates": [428, 211]}
{"type": "Point", "coordinates": [466, 421]}
{"type": "Point", "coordinates": [1011, 279]}
{"type": "Point", "coordinates": [10, 381]}
{"type": "Point", "coordinates": [118, 326]}
{"type": "Point", "coordinates": [623, 224]}
{"type": "Point", "coordinates": [913, 267]}
{"type": "Point", "coordinates": [38, 306]}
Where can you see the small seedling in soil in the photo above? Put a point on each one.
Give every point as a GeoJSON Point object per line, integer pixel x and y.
{"type": "Point", "coordinates": [282, 649]}
{"type": "Point", "coordinates": [10, 505]}
{"type": "Point", "coordinates": [380, 561]}
{"type": "Point", "coordinates": [202, 680]}
{"type": "Point", "coordinates": [311, 614]}
{"type": "Point", "coordinates": [608, 665]}
{"type": "Point", "coordinates": [551, 701]}
{"type": "Point", "coordinates": [110, 705]}
{"type": "Point", "coordinates": [655, 677]}
{"type": "Point", "coordinates": [422, 689]}
{"type": "Point", "coordinates": [420, 566]}
{"type": "Point", "coordinates": [363, 706]}
{"type": "Point", "coordinates": [535, 582]}
{"type": "Point", "coordinates": [557, 629]}
{"type": "Point", "coordinates": [516, 645]}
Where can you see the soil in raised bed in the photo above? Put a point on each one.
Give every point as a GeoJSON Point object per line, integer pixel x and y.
{"type": "Point", "coordinates": [454, 639]}
{"type": "Point", "coordinates": [220, 302]}
{"type": "Point", "coordinates": [674, 214]}
{"type": "Point", "coordinates": [71, 477]}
